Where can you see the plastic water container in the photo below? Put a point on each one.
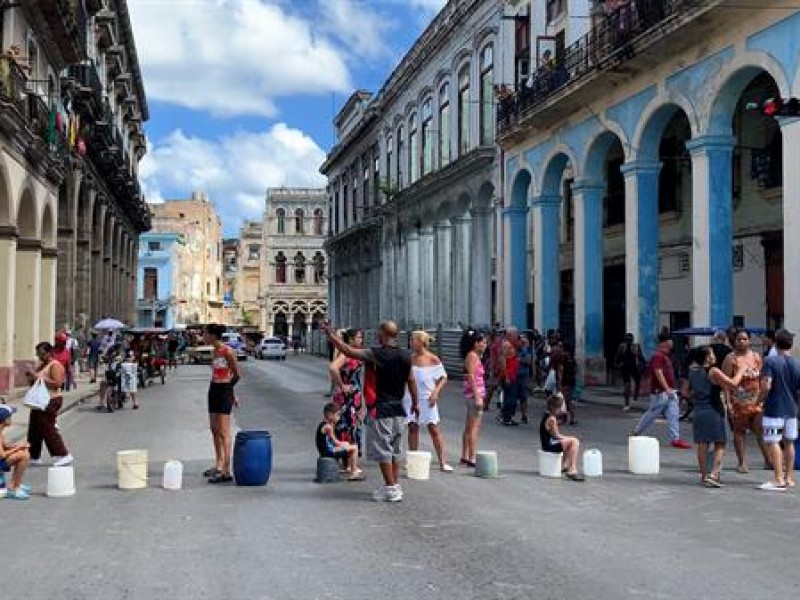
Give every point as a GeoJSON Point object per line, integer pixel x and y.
{"type": "Point", "coordinates": [643, 455]}
{"type": "Point", "coordinates": [252, 457]}
{"type": "Point", "coordinates": [550, 464]}
{"type": "Point", "coordinates": [593, 463]}
{"type": "Point", "coordinates": [418, 465]}
{"type": "Point", "coordinates": [60, 482]}
{"type": "Point", "coordinates": [486, 464]}
{"type": "Point", "coordinates": [173, 475]}
{"type": "Point", "coordinates": [132, 469]}
{"type": "Point", "coordinates": [327, 470]}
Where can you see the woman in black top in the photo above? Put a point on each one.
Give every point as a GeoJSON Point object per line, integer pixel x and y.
{"type": "Point", "coordinates": [554, 441]}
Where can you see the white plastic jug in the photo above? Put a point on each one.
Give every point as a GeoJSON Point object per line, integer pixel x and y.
{"type": "Point", "coordinates": [593, 463]}
{"type": "Point", "coordinates": [418, 465]}
{"type": "Point", "coordinates": [132, 469]}
{"type": "Point", "coordinates": [60, 482]}
{"type": "Point", "coordinates": [550, 464]}
{"type": "Point", "coordinates": [173, 475]}
{"type": "Point", "coordinates": [643, 455]}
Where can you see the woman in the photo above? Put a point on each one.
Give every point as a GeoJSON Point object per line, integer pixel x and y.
{"type": "Point", "coordinates": [42, 423]}
{"type": "Point", "coordinates": [347, 379]}
{"type": "Point", "coordinates": [524, 376]}
{"type": "Point", "coordinates": [566, 371]}
{"type": "Point", "coordinates": [473, 346]}
{"type": "Point", "coordinates": [705, 384]}
{"type": "Point", "coordinates": [431, 379]}
{"type": "Point", "coordinates": [221, 400]}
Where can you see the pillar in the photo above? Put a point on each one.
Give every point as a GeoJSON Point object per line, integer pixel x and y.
{"type": "Point", "coordinates": [97, 285]}
{"type": "Point", "coordinates": [482, 267]}
{"type": "Point", "coordinates": [790, 129]}
{"type": "Point", "coordinates": [413, 295]}
{"type": "Point", "coordinates": [388, 310]}
{"type": "Point", "coordinates": [589, 279]}
{"type": "Point", "coordinates": [641, 251]}
{"type": "Point", "coordinates": [27, 300]}
{"type": "Point", "coordinates": [427, 265]}
{"type": "Point", "coordinates": [67, 276]}
{"type": "Point", "coordinates": [462, 264]}
{"type": "Point", "coordinates": [47, 296]}
{"type": "Point", "coordinates": [83, 274]}
{"type": "Point", "coordinates": [8, 261]}
{"type": "Point", "coordinates": [516, 218]}
{"type": "Point", "coordinates": [401, 291]}
{"type": "Point", "coordinates": [444, 265]}
{"type": "Point", "coordinates": [712, 230]}
{"type": "Point", "coordinates": [547, 270]}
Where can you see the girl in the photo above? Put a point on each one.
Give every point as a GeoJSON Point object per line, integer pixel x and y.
{"type": "Point", "coordinates": [473, 346]}
{"type": "Point", "coordinates": [431, 379]}
{"type": "Point", "coordinates": [554, 441]}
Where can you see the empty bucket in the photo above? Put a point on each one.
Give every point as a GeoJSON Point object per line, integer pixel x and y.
{"type": "Point", "coordinates": [593, 463]}
{"type": "Point", "coordinates": [418, 465]}
{"type": "Point", "coordinates": [550, 464]}
{"type": "Point", "coordinates": [327, 470]}
{"type": "Point", "coordinates": [132, 469]}
{"type": "Point", "coordinates": [486, 464]}
{"type": "Point", "coordinates": [60, 482]}
{"type": "Point", "coordinates": [173, 475]}
{"type": "Point", "coordinates": [643, 456]}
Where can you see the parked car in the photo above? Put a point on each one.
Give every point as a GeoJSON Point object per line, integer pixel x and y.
{"type": "Point", "coordinates": [272, 347]}
{"type": "Point", "coordinates": [200, 354]}
{"type": "Point", "coordinates": [235, 341]}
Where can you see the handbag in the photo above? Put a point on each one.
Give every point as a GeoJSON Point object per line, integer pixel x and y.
{"type": "Point", "coordinates": [37, 397]}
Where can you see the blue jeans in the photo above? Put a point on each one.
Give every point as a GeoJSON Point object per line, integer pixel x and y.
{"type": "Point", "coordinates": [510, 396]}
{"type": "Point", "coordinates": [661, 405]}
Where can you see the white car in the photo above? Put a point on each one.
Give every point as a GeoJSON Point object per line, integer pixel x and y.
{"type": "Point", "coordinates": [271, 347]}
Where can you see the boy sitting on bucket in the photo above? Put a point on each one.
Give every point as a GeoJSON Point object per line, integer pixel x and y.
{"type": "Point", "coordinates": [554, 441]}
{"type": "Point", "coordinates": [14, 458]}
{"type": "Point", "coordinates": [329, 446]}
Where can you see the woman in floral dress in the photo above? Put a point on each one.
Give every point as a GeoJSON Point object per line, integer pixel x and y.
{"type": "Point", "coordinates": [347, 378]}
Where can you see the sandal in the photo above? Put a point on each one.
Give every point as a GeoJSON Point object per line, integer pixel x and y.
{"type": "Point", "coordinates": [211, 472]}
{"type": "Point", "coordinates": [742, 469]}
{"type": "Point", "coordinates": [574, 477]}
{"type": "Point", "coordinates": [358, 476]}
{"type": "Point", "coordinates": [220, 477]}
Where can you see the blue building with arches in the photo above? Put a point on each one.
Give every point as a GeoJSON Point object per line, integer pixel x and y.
{"type": "Point", "coordinates": [639, 190]}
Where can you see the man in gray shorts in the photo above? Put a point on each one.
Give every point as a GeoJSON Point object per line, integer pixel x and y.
{"type": "Point", "coordinates": [388, 371]}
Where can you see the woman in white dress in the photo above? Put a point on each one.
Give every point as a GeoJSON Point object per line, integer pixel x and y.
{"type": "Point", "coordinates": [431, 379]}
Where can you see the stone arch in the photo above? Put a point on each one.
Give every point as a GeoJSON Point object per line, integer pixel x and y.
{"type": "Point", "coordinates": [28, 214]}
{"type": "Point", "coordinates": [654, 121]}
{"type": "Point", "coordinates": [48, 227]}
{"type": "Point", "coordinates": [484, 37]}
{"type": "Point", "coordinates": [554, 170]}
{"type": "Point", "coordinates": [426, 93]}
{"type": "Point", "coordinates": [485, 195]}
{"type": "Point", "coordinates": [596, 154]}
{"type": "Point", "coordinates": [520, 189]}
{"type": "Point", "coordinates": [463, 203]}
{"type": "Point", "coordinates": [442, 76]}
{"type": "Point", "coordinates": [463, 57]}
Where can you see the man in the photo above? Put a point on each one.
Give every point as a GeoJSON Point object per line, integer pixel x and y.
{"type": "Point", "coordinates": [780, 382]}
{"type": "Point", "coordinates": [93, 355]}
{"type": "Point", "coordinates": [107, 342]}
{"type": "Point", "coordinates": [769, 344]}
{"type": "Point", "coordinates": [64, 357]}
{"type": "Point", "coordinates": [663, 395]}
{"type": "Point", "coordinates": [631, 362]}
{"type": "Point", "coordinates": [388, 371]}
{"type": "Point", "coordinates": [508, 376]}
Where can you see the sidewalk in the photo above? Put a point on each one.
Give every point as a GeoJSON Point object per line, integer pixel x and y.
{"type": "Point", "coordinates": [19, 427]}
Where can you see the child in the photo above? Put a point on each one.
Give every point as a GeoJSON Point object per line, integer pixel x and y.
{"type": "Point", "coordinates": [330, 447]}
{"type": "Point", "coordinates": [554, 441]}
{"type": "Point", "coordinates": [13, 457]}
{"type": "Point", "coordinates": [129, 373]}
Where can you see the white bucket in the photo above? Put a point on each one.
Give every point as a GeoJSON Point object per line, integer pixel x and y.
{"type": "Point", "coordinates": [418, 465]}
{"type": "Point", "coordinates": [643, 456]}
{"type": "Point", "coordinates": [60, 482]}
{"type": "Point", "coordinates": [593, 463]}
{"type": "Point", "coordinates": [550, 464]}
{"type": "Point", "coordinates": [132, 469]}
{"type": "Point", "coordinates": [173, 475]}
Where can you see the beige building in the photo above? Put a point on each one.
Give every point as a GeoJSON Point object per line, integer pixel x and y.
{"type": "Point", "coordinates": [71, 108]}
{"type": "Point", "coordinates": [293, 261]}
{"type": "Point", "coordinates": [248, 296]}
{"type": "Point", "coordinates": [198, 287]}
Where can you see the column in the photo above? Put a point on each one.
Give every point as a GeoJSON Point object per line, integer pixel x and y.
{"type": "Point", "coordinates": [388, 310]}
{"type": "Point", "coordinates": [27, 299]}
{"type": "Point", "coordinates": [516, 218]}
{"type": "Point", "coordinates": [444, 274]}
{"type": "Point", "coordinates": [67, 275]}
{"type": "Point", "coordinates": [83, 274]}
{"type": "Point", "coordinates": [427, 265]}
{"type": "Point", "coordinates": [462, 263]}
{"type": "Point", "coordinates": [712, 229]}
{"type": "Point", "coordinates": [8, 261]}
{"type": "Point", "coordinates": [482, 267]}
{"type": "Point", "coordinates": [47, 295]}
{"type": "Point", "coordinates": [97, 285]}
{"type": "Point", "coordinates": [589, 278]}
{"type": "Point", "coordinates": [401, 292]}
{"type": "Point", "coordinates": [641, 251]}
{"type": "Point", "coordinates": [547, 270]}
{"type": "Point", "coordinates": [107, 293]}
{"type": "Point", "coordinates": [413, 296]}
{"type": "Point", "coordinates": [790, 128]}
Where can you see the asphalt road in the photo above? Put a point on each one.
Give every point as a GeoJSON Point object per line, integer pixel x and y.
{"type": "Point", "coordinates": [455, 536]}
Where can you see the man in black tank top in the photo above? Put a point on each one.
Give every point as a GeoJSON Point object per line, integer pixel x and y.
{"type": "Point", "coordinates": [388, 371]}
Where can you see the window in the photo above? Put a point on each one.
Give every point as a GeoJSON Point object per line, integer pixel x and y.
{"type": "Point", "coordinates": [154, 246]}
{"type": "Point", "coordinates": [319, 268]}
{"type": "Point", "coordinates": [254, 252]}
{"type": "Point", "coordinates": [280, 268]}
{"type": "Point", "coordinates": [336, 208]}
{"type": "Point", "coordinates": [318, 222]}
{"type": "Point", "coordinates": [299, 268]}
{"type": "Point", "coordinates": [389, 154]}
{"type": "Point", "coordinates": [281, 217]}
{"type": "Point", "coordinates": [346, 200]}
{"type": "Point", "coordinates": [444, 125]}
{"type": "Point", "coordinates": [413, 149]}
{"type": "Point", "coordinates": [150, 283]}
{"type": "Point", "coordinates": [463, 111]}
{"type": "Point", "coordinates": [427, 142]}
{"type": "Point", "coordinates": [298, 221]}
{"type": "Point", "coordinates": [365, 186]}
{"type": "Point", "coordinates": [399, 169]}
{"type": "Point", "coordinates": [376, 174]}
{"type": "Point", "coordinates": [355, 205]}
{"type": "Point", "coordinates": [487, 95]}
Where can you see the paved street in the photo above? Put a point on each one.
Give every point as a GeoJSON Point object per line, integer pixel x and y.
{"type": "Point", "coordinates": [454, 536]}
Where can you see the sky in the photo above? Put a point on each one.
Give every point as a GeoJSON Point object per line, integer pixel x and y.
{"type": "Point", "coordinates": [242, 93]}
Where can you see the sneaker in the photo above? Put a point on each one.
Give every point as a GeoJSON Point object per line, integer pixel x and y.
{"type": "Point", "coordinates": [394, 494]}
{"type": "Point", "coordinates": [712, 482]}
{"type": "Point", "coordinates": [63, 461]}
{"type": "Point", "coordinates": [36, 462]}
{"type": "Point", "coordinates": [18, 494]}
{"type": "Point", "coordinates": [680, 444]}
{"type": "Point", "coordinates": [771, 486]}
{"type": "Point", "coordinates": [379, 495]}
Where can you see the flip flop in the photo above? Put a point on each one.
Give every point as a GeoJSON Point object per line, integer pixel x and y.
{"type": "Point", "coordinates": [574, 477]}
{"type": "Point", "coordinates": [210, 472]}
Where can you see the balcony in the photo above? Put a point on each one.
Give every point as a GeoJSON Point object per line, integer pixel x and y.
{"type": "Point", "coordinates": [13, 84]}
{"type": "Point", "coordinates": [105, 29]}
{"type": "Point", "coordinates": [614, 41]}
{"type": "Point", "coordinates": [89, 89]}
{"type": "Point", "coordinates": [67, 23]}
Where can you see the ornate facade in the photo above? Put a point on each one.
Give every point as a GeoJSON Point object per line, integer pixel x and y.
{"type": "Point", "coordinates": [294, 264]}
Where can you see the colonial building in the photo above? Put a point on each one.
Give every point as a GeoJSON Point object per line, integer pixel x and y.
{"type": "Point", "coordinates": [642, 191]}
{"type": "Point", "coordinates": [55, 202]}
{"type": "Point", "coordinates": [230, 275]}
{"type": "Point", "coordinates": [293, 262]}
{"type": "Point", "coordinates": [160, 256]}
{"type": "Point", "coordinates": [198, 284]}
{"type": "Point", "coordinates": [412, 181]}
{"type": "Point", "coordinates": [249, 290]}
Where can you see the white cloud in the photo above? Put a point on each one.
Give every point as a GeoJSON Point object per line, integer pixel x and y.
{"type": "Point", "coordinates": [430, 5]}
{"type": "Point", "coordinates": [364, 32]}
{"type": "Point", "coordinates": [235, 170]}
{"type": "Point", "coordinates": [232, 57]}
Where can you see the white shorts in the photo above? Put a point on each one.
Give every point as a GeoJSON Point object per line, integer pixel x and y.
{"type": "Point", "coordinates": [779, 428]}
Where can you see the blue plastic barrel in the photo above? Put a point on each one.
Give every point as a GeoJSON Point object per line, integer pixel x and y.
{"type": "Point", "coordinates": [797, 454]}
{"type": "Point", "coordinates": [252, 457]}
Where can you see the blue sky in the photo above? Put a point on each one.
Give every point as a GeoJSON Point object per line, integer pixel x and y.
{"type": "Point", "coordinates": [242, 93]}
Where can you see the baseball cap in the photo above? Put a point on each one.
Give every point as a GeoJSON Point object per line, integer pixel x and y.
{"type": "Point", "coordinates": [6, 411]}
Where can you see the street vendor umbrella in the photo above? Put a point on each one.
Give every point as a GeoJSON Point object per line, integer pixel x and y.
{"type": "Point", "coordinates": [109, 324]}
